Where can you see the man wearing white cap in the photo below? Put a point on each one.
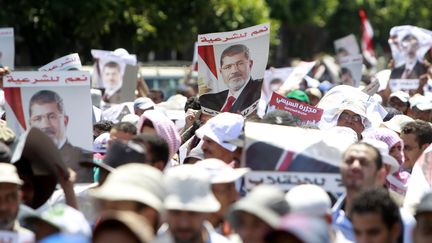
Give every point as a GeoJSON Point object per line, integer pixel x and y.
{"type": "Point", "coordinates": [400, 101]}
{"type": "Point", "coordinates": [215, 134]}
{"type": "Point", "coordinates": [222, 179]}
{"type": "Point", "coordinates": [422, 108]}
{"type": "Point", "coordinates": [133, 187]}
{"type": "Point", "coordinates": [143, 104]}
{"type": "Point", "coordinates": [10, 199]}
{"type": "Point", "coordinates": [352, 114]}
{"type": "Point", "coordinates": [188, 202]}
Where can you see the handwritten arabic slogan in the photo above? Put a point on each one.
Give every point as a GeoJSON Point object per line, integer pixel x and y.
{"type": "Point", "coordinates": [69, 62]}
{"type": "Point", "coordinates": [232, 63]}
{"type": "Point", "coordinates": [73, 88]}
{"type": "Point", "coordinates": [276, 156]}
{"type": "Point", "coordinates": [304, 112]}
{"type": "Point", "coordinates": [7, 47]}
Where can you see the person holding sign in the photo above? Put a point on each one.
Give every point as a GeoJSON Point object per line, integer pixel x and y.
{"type": "Point", "coordinates": [243, 92]}
{"type": "Point", "coordinates": [112, 79]}
{"type": "Point", "coordinates": [46, 112]}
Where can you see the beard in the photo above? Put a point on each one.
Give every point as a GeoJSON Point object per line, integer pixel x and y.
{"type": "Point", "coordinates": [236, 83]}
{"type": "Point", "coordinates": [111, 88]}
{"type": "Point", "coordinates": [7, 222]}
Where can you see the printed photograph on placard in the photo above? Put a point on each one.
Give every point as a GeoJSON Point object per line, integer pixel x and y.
{"type": "Point", "coordinates": [346, 46]}
{"type": "Point", "coordinates": [232, 65]}
{"type": "Point", "coordinates": [7, 47]}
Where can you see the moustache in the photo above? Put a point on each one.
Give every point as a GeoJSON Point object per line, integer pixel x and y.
{"type": "Point", "coordinates": [235, 75]}
{"type": "Point", "coordinates": [48, 131]}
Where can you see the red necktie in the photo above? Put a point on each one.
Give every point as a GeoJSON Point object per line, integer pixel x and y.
{"type": "Point", "coordinates": [229, 103]}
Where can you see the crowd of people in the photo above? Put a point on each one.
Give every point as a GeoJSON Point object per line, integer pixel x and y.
{"type": "Point", "coordinates": [156, 177]}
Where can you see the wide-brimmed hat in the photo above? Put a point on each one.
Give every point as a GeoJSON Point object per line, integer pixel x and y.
{"type": "Point", "coordinates": [309, 199]}
{"type": "Point", "coordinates": [133, 182]}
{"type": "Point", "coordinates": [402, 96]}
{"type": "Point", "coordinates": [188, 189]}
{"type": "Point", "coordinates": [265, 202]}
{"type": "Point", "coordinates": [397, 122]}
{"type": "Point", "coordinates": [384, 151]}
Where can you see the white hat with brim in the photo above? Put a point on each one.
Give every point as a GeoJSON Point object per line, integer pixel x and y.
{"type": "Point", "coordinates": [265, 202]}
{"type": "Point", "coordinates": [402, 96]}
{"type": "Point", "coordinates": [133, 182]}
{"type": "Point", "coordinates": [397, 122]}
{"type": "Point", "coordinates": [189, 189]}
{"type": "Point", "coordinates": [384, 151]}
{"type": "Point", "coordinates": [223, 127]}
{"type": "Point", "coordinates": [220, 172]}
{"type": "Point", "coordinates": [9, 174]}
{"type": "Point", "coordinates": [356, 106]}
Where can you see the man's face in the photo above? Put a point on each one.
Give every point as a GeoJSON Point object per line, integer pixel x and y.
{"type": "Point", "coordinates": [397, 153]}
{"type": "Point", "coordinates": [352, 120]}
{"type": "Point", "coordinates": [250, 228]}
{"type": "Point", "coordinates": [422, 232]}
{"type": "Point", "coordinates": [186, 226]}
{"type": "Point", "coordinates": [9, 205]}
{"type": "Point", "coordinates": [369, 228]}
{"type": "Point", "coordinates": [412, 150]}
{"type": "Point", "coordinates": [235, 71]}
{"type": "Point", "coordinates": [396, 103]}
{"type": "Point", "coordinates": [358, 168]}
{"type": "Point", "coordinates": [212, 149]}
{"type": "Point", "coordinates": [111, 77]}
{"type": "Point", "coordinates": [226, 194]}
{"type": "Point", "coordinates": [410, 47]}
{"type": "Point", "coordinates": [119, 135]}
{"type": "Point", "coordinates": [48, 118]}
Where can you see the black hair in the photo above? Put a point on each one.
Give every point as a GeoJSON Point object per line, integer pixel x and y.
{"type": "Point", "coordinates": [233, 50]}
{"type": "Point", "coordinates": [125, 127]}
{"type": "Point", "coordinates": [157, 146]}
{"type": "Point", "coordinates": [192, 103]}
{"type": "Point", "coordinates": [377, 200]}
{"type": "Point", "coordinates": [47, 96]}
{"type": "Point", "coordinates": [391, 112]}
{"type": "Point", "coordinates": [378, 158]}
{"type": "Point", "coordinates": [104, 126]}
{"type": "Point", "coordinates": [421, 129]}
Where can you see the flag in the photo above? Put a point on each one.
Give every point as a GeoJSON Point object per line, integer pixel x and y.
{"type": "Point", "coordinates": [366, 40]}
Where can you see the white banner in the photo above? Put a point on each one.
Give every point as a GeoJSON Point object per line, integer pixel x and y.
{"type": "Point", "coordinates": [56, 78]}
{"type": "Point", "coordinates": [7, 47]}
{"type": "Point", "coordinates": [69, 62]}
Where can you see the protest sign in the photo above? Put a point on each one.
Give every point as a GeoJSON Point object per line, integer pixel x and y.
{"type": "Point", "coordinates": [116, 112]}
{"type": "Point", "coordinates": [297, 75]}
{"type": "Point", "coordinates": [7, 47]}
{"type": "Point", "coordinates": [403, 84]}
{"type": "Point", "coordinates": [346, 46]}
{"type": "Point", "coordinates": [302, 111]}
{"type": "Point", "coordinates": [58, 102]}
{"type": "Point", "coordinates": [273, 80]}
{"type": "Point", "coordinates": [351, 69]}
{"type": "Point", "coordinates": [288, 161]}
{"type": "Point", "coordinates": [69, 62]}
{"type": "Point", "coordinates": [232, 65]}
{"type": "Point", "coordinates": [113, 75]}
{"type": "Point", "coordinates": [409, 45]}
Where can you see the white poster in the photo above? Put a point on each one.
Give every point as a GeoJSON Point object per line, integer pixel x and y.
{"type": "Point", "coordinates": [7, 47]}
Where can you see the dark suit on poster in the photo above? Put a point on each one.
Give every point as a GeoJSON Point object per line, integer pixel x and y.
{"type": "Point", "coordinates": [249, 95]}
{"type": "Point", "coordinates": [415, 73]}
{"type": "Point", "coordinates": [72, 156]}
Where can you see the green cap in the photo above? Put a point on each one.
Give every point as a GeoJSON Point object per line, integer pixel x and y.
{"type": "Point", "coordinates": [298, 95]}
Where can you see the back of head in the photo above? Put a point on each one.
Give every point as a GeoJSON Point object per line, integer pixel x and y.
{"type": "Point", "coordinates": [125, 127]}
{"type": "Point", "coordinates": [278, 117]}
{"type": "Point", "coordinates": [309, 199]}
{"type": "Point", "coordinates": [157, 147]}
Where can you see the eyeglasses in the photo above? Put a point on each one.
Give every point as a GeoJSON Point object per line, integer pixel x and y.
{"type": "Point", "coordinates": [238, 65]}
{"type": "Point", "coordinates": [347, 117]}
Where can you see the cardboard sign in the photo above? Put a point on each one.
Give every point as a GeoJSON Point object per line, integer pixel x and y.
{"type": "Point", "coordinates": [403, 84]}
{"type": "Point", "coordinates": [7, 47]}
{"type": "Point", "coordinates": [351, 69]}
{"type": "Point", "coordinates": [69, 62]}
{"type": "Point", "coordinates": [346, 46]}
{"type": "Point", "coordinates": [274, 78]}
{"type": "Point", "coordinates": [67, 122]}
{"type": "Point", "coordinates": [287, 156]}
{"type": "Point", "coordinates": [114, 76]}
{"type": "Point", "coordinates": [232, 64]}
{"type": "Point", "coordinates": [298, 109]}
{"type": "Point", "coordinates": [287, 180]}
{"type": "Point", "coordinates": [297, 75]}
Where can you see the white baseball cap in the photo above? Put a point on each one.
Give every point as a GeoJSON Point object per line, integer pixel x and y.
{"type": "Point", "coordinates": [403, 96]}
{"type": "Point", "coordinates": [143, 103]}
{"type": "Point", "coordinates": [397, 122]}
{"type": "Point", "coordinates": [309, 199]}
{"type": "Point", "coordinates": [9, 174]}
{"type": "Point", "coordinates": [221, 172]}
{"type": "Point", "coordinates": [133, 182]}
{"type": "Point", "coordinates": [223, 127]}
{"type": "Point", "coordinates": [384, 151]}
{"type": "Point", "coordinates": [189, 189]}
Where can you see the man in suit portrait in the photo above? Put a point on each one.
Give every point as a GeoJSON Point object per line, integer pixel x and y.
{"type": "Point", "coordinates": [412, 68]}
{"type": "Point", "coordinates": [46, 112]}
{"type": "Point", "coordinates": [243, 91]}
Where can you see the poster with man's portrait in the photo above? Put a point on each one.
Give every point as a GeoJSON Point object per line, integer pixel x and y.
{"type": "Point", "coordinates": [314, 159]}
{"type": "Point", "coordinates": [346, 46]}
{"type": "Point", "coordinates": [113, 75]}
{"type": "Point", "coordinates": [409, 45]}
{"type": "Point", "coordinates": [56, 102]}
{"type": "Point", "coordinates": [7, 47]}
{"type": "Point", "coordinates": [274, 78]}
{"type": "Point", "coordinates": [351, 70]}
{"type": "Point", "coordinates": [231, 66]}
